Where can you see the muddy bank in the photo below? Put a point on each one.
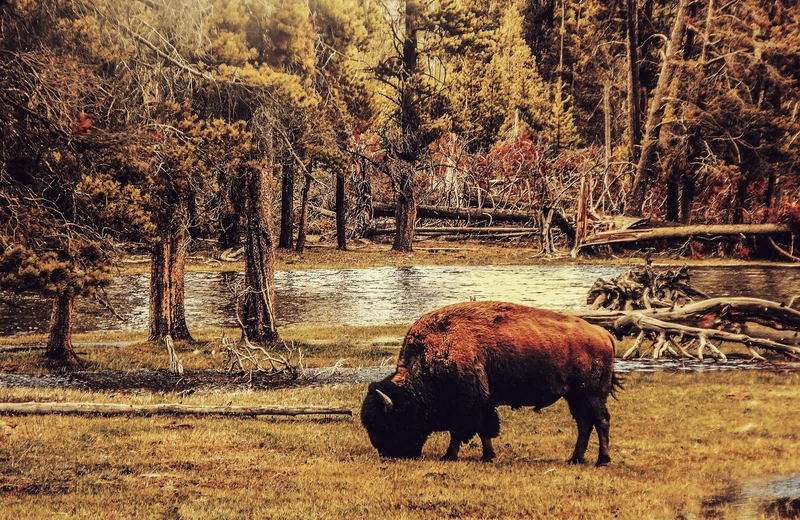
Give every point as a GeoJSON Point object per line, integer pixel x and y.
{"type": "Point", "coordinates": [162, 381]}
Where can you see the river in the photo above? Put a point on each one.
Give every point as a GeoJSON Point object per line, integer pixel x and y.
{"type": "Point", "coordinates": [385, 295]}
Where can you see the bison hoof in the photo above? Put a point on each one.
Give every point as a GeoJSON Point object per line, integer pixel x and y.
{"type": "Point", "coordinates": [603, 462]}
{"type": "Point", "coordinates": [449, 456]}
{"type": "Point", "coordinates": [488, 457]}
{"type": "Point", "coordinates": [576, 460]}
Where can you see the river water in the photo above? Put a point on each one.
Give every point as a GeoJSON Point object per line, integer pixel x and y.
{"type": "Point", "coordinates": [386, 295]}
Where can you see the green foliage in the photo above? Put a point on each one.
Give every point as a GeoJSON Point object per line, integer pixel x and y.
{"type": "Point", "coordinates": [497, 92]}
{"type": "Point", "coordinates": [54, 273]}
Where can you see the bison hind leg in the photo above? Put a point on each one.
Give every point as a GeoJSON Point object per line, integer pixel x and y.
{"type": "Point", "coordinates": [590, 412]}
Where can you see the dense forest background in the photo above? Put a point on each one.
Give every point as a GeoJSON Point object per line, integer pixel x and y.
{"type": "Point", "coordinates": [157, 124]}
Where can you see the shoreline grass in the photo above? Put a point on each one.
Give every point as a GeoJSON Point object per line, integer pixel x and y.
{"type": "Point", "coordinates": [683, 446]}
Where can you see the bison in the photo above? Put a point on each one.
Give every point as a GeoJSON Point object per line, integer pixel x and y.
{"type": "Point", "coordinates": [458, 363]}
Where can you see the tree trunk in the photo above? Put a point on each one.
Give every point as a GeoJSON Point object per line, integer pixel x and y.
{"type": "Point", "coordinates": [405, 216]}
{"type": "Point", "coordinates": [301, 228]}
{"type": "Point", "coordinates": [286, 239]}
{"type": "Point", "coordinates": [673, 189]}
{"type": "Point", "coordinates": [60, 351]}
{"type": "Point", "coordinates": [607, 116]}
{"type": "Point", "coordinates": [410, 122]}
{"type": "Point", "coordinates": [581, 217]}
{"type": "Point", "coordinates": [341, 212]}
{"type": "Point", "coordinates": [167, 292]}
{"type": "Point", "coordinates": [259, 259]}
{"type": "Point", "coordinates": [641, 181]}
{"type": "Point", "coordinates": [687, 196]}
{"type": "Point", "coordinates": [159, 289]}
{"type": "Point", "coordinates": [634, 106]}
{"type": "Point", "coordinates": [709, 232]}
{"type": "Point", "coordinates": [740, 198]}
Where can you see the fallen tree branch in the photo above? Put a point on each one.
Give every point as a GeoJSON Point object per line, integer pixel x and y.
{"type": "Point", "coordinates": [449, 213]}
{"type": "Point", "coordinates": [694, 231]}
{"type": "Point", "coordinates": [34, 408]}
{"type": "Point", "coordinates": [782, 251]}
{"type": "Point", "coordinates": [465, 230]}
{"type": "Point", "coordinates": [672, 331]}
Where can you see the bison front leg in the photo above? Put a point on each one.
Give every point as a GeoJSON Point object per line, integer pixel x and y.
{"type": "Point", "coordinates": [454, 447]}
{"type": "Point", "coordinates": [490, 428]}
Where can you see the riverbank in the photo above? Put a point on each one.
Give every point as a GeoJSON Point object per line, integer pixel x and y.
{"type": "Point", "coordinates": [363, 254]}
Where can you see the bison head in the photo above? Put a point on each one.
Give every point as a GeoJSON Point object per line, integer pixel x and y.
{"type": "Point", "coordinates": [394, 420]}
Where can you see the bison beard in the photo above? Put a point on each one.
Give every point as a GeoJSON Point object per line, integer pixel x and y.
{"type": "Point", "coordinates": [459, 363]}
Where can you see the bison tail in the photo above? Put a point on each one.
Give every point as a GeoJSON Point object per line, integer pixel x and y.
{"type": "Point", "coordinates": [615, 384]}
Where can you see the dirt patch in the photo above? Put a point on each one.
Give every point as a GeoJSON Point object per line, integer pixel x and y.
{"type": "Point", "coordinates": [163, 381]}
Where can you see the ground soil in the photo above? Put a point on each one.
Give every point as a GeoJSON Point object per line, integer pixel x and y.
{"type": "Point", "coordinates": [163, 381]}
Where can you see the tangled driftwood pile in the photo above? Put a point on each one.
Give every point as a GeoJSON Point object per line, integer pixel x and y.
{"type": "Point", "coordinates": [644, 288]}
{"type": "Point", "coordinates": [669, 317]}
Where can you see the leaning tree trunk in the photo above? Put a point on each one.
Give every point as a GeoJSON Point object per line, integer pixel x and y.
{"type": "Point", "coordinates": [259, 259]}
{"type": "Point", "coordinates": [60, 351]}
{"type": "Point", "coordinates": [642, 179]}
{"type": "Point", "coordinates": [341, 212]}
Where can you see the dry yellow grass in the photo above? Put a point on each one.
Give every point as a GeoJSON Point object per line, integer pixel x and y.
{"type": "Point", "coordinates": [681, 447]}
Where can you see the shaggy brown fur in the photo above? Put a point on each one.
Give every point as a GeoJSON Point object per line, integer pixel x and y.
{"type": "Point", "coordinates": [458, 363]}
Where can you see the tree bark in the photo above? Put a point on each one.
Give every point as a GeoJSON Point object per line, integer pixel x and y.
{"type": "Point", "coordinates": [286, 239]}
{"type": "Point", "coordinates": [259, 258]}
{"type": "Point", "coordinates": [451, 213]}
{"type": "Point", "coordinates": [642, 178]}
{"type": "Point", "coordinates": [405, 217]}
{"type": "Point", "coordinates": [687, 196]}
{"type": "Point", "coordinates": [634, 105]}
{"type": "Point", "coordinates": [60, 351]}
{"type": "Point", "coordinates": [581, 217]}
{"type": "Point", "coordinates": [673, 189]}
{"type": "Point", "coordinates": [167, 289]}
{"type": "Point", "coordinates": [301, 228]}
{"type": "Point", "coordinates": [409, 147]}
{"type": "Point", "coordinates": [341, 212]}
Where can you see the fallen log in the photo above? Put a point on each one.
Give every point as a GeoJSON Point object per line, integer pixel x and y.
{"type": "Point", "coordinates": [481, 214]}
{"type": "Point", "coordinates": [461, 230]}
{"type": "Point", "coordinates": [683, 232]}
{"type": "Point", "coordinates": [669, 334]}
{"type": "Point", "coordinates": [449, 213]}
{"type": "Point", "coordinates": [35, 408]}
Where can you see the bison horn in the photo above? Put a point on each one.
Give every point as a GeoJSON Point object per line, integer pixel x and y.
{"type": "Point", "coordinates": [387, 401]}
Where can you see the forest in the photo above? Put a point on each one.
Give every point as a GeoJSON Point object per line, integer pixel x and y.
{"type": "Point", "coordinates": [161, 126]}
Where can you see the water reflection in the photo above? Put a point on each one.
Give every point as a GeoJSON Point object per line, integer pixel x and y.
{"type": "Point", "coordinates": [386, 295]}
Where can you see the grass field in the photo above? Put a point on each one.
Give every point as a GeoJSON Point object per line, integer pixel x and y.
{"type": "Point", "coordinates": [683, 446]}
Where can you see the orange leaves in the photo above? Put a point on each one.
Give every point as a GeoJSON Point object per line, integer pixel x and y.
{"type": "Point", "coordinates": [84, 124]}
